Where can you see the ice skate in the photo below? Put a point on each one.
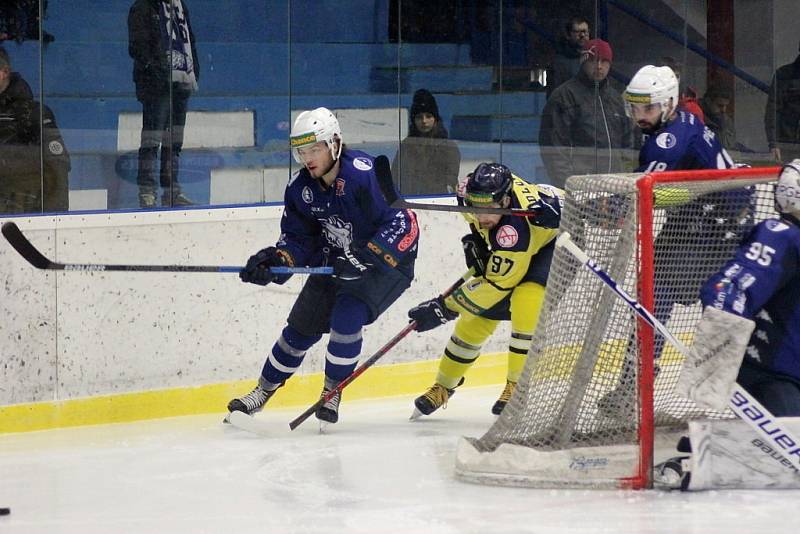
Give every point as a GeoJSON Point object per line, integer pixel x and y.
{"type": "Point", "coordinates": [672, 474]}
{"type": "Point", "coordinates": [254, 401]}
{"type": "Point", "coordinates": [433, 399]}
{"type": "Point", "coordinates": [505, 396]}
{"type": "Point", "coordinates": [328, 413]}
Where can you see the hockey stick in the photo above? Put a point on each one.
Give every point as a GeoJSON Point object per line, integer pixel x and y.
{"type": "Point", "coordinates": [17, 239]}
{"type": "Point", "coordinates": [383, 172]}
{"type": "Point", "coordinates": [371, 361]}
{"type": "Point", "coordinates": [741, 403]}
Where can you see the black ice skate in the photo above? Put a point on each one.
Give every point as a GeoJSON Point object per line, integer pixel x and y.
{"type": "Point", "coordinates": [505, 396]}
{"type": "Point", "coordinates": [255, 400]}
{"type": "Point", "coordinates": [433, 399]}
{"type": "Point", "coordinates": [329, 411]}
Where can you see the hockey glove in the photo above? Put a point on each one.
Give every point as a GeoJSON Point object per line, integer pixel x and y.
{"type": "Point", "coordinates": [547, 211]}
{"type": "Point", "coordinates": [476, 253]}
{"type": "Point", "coordinates": [430, 314]}
{"type": "Point", "coordinates": [352, 264]}
{"type": "Point", "coordinates": [257, 269]}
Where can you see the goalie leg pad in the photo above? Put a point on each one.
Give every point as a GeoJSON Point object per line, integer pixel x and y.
{"type": "Point", "coordinates": [710, 369]}
{"type": "Point", "coordinates": [730, 455]}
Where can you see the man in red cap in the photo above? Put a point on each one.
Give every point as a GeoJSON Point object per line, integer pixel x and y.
{"type": "Point", "coordinates": [584, 126]}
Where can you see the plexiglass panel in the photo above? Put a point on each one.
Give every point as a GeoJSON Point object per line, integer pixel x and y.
{"type": "Point", "coordinates": [152, 103]}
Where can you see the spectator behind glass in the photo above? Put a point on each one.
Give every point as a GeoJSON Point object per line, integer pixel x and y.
{"type": "Point", "coordinates": [166, 72]}
{"type": "Point", "coordinates": [427, 162]}
{"type": "Point", "coordinates": [584, 126]}
{"type": "Point", "coordinates": [567, 59]}
{"type": "Point", "coordinates": [21, 134]}
{"type": "Point", "coordinates": [688, 95]}
{"type": "Point", "coordinates": [717, 117]}
{"type": "Point", "coordinates": [19, 21]}
{"type": "Point", "coordinates": [782, 114]}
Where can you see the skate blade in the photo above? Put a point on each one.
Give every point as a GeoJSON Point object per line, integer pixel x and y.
{"type": "Point", "coordinates": [248, 423]}
{"type": "Point", "coordinates": [416, 415]}
{"type": "Point", "coordinates": [323, 426]}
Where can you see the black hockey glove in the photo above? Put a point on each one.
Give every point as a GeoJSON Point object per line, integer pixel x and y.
{"type": "Point", "coordinates": [476, 253]}
{"type": "Point", "coordinates": [547, 211]}
{"type": "Point", "coordinates": [352, 264]}
{"type": "Point", "coordinates": [257, 269]}
{"type": "Point", "coordinates": [430, 314]}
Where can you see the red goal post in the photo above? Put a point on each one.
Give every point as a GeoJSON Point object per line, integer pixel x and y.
{"type": "Point", "coordinates": [660, 235]}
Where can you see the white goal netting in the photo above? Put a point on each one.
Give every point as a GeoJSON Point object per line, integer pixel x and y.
{"type": "Point", "coordinates": [577, 417]}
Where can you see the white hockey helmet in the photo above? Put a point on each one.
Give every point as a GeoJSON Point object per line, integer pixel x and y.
{"type": "Point", "coordinates": [653, 85]}
{"type": "Point", "coordinates": [787, 190]}
{"type": "Point", "coordinates": [314, 126]}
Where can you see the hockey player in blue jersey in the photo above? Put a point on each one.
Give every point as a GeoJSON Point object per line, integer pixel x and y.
{"type": "Point", "coordinates": [762, 283]}
{"type": "Point", "coordinates": [677, 140]}
{"type": "Point", "coordinates": [674, 140]}
{"type": "Point", "coordinates": [334, 213]}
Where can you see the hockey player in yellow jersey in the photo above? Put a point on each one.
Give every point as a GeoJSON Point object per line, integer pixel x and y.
{"type": "Point", "coordinates": [510, 259]}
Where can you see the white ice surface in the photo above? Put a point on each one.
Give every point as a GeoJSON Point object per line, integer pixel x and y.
{"type": "Point", "coordinates": [373, 472]}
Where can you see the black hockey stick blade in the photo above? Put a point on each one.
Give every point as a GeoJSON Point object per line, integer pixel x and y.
{"type": "Point", "coordinates": [383, 172]}
{"type": "Point", "coordinates": [25, 248]}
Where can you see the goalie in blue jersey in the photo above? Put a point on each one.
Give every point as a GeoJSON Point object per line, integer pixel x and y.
{"type": "Point", "coordinates": [334, 214]}
{"type": "Point", "coordinates": [762, 283]}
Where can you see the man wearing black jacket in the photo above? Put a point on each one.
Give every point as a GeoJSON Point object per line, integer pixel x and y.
{"type": "Point", "coordinates": [567, 59]}
{"type": "Point", "coordinates": [34, 164]}
{"type": "Point", "coordinates": [166, 71]}
{"type": "Point", "coordinates": [782, 115]}
{"type": "Point", "coordinates": [584, 127]}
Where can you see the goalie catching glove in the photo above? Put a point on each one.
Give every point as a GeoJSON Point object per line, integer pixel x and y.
{"type": "Point", "coordinates": [430, 314]}
{"type": "Point", "coordinates": [257, 271]}
{"type": "Point", "coordinates": [710, 369]}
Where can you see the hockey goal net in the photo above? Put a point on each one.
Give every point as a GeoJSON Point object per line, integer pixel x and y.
{"type": "Point", "coordinates": [598, 384]}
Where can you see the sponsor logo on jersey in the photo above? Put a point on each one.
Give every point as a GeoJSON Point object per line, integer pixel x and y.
{"type": "Point", "coordinates": [302, 140]}
{"type": "Point", "coordinates": [308, 196]}
{"type": "Point", "coordinates": [388, 258]}
{"type": "Point", "coordinates": [467, 305]}
{"type": "Point", "coordinates": [507, 236]}
{"type": "Point", "coordinates": [362, 164]}
{"type": "Point", "coordinates": [411, 236]}
{"type": "Point", "coordinates": [666, 140]}
{"type": "Point", "coordinates": [55, 148]}
{"type": "Point", "coordinates": [339, 187]}
{"type": "Point", "coordinates": [776, 226]}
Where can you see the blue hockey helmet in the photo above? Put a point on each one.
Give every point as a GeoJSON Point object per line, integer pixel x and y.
{"type": "Point", "coordinates": [488, 184]}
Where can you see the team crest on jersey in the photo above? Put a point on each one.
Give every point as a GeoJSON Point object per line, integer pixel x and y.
{"type": "Point", "coordinates": [666, 140]}
{"type": "Point", "coordinates": [339, 187]}
{"type": "Point", "coordinates": [362, 164]}
{"type": "Point", "coordinates": [337, 232]}
{"type": "Point", "coordinates": [507, 236]}
{"type": "Point", "coordinates": [777, 226]}
{"type": "Point", "coordinates": [308, 196]}
{"type": "Point", "coordinates": [55, 148]}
